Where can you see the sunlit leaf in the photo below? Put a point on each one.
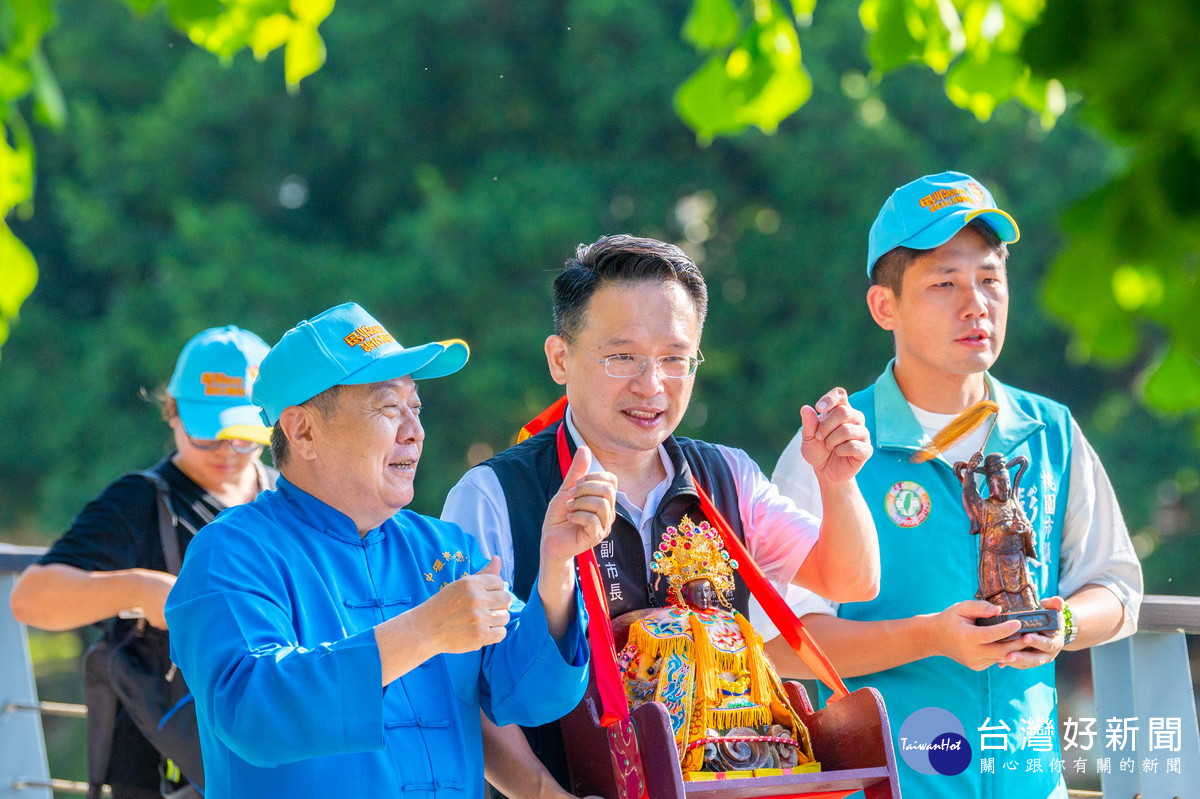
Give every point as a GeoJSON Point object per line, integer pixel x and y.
{"type": "Point", "coordinates": [704, 101]}
{"type": "Point", "coordinates": [311, 12]}
{"type": "Point", "coordinates": [1173, 383]}
{"type": "Point", "coordinates": [16, 172]}
{"type": "Point", "coordinates": [1136, 287]}
{"type": "Point", "coordinates": [760, 83]}
{"type": "Point", "coordinates": [1045, 97]}
{"type": "Point", "coordinates": [711, 24]}
{"type": "Point", "coordinates": [270, 32]}
{"type": "Point", "coordinates": [868, 15]}
{"type": "Point", "coordinates": [18, 276]}
{"type": "Point", "coordinates": [1023, 10]}
{"type": "Point", "coordinates": [803, 9]}
{"type": "Point", "coordinates": [891, 44]}
{"type": "Point", "coordinates": [15, 81]}
{"type": "Point", "coordinates": [303, 55]}
{"type": "Point", "coordinates": [783, 93]}
{"type": "Point", "coordinates": [979, 85]}
{"type": "Point", "coordinates": [30, 20]}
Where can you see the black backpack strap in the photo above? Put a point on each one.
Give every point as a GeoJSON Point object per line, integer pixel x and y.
{"type": "Point", "coordinates": [166, 522]}
{"type": "Point", "coordinates": [101, 704]}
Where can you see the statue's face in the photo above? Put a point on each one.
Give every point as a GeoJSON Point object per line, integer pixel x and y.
{"type": "Point", "coordinates": [999, 486]}
{"type": "Point", "coordinates": [699, 594]}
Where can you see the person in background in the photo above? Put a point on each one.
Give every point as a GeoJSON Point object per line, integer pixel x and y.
{"type": "Point", "coordinates": [111, 563]}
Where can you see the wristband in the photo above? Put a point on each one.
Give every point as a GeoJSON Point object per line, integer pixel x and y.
{"type": "Point", "coordinates": [1069, 628]}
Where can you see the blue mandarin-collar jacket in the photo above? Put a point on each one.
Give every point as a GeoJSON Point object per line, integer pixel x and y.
{"type": "Point", "coordinates": [272, 626]}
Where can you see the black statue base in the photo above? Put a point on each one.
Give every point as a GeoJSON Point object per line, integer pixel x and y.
{"type": "Point", "coordinates": [1032, 621]}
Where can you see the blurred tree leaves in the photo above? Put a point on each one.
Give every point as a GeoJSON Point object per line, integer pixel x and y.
{"type": "Point", "coordinates": [22, 25]}
{"type": "Point", "coordinates": [753, 75]}
{"type": "Point", "coordinates": [223, 27]}
{"type": "Point", "coordinates": [1127, 281]}
{"type": "Point", "coordinates": [1133, 252]}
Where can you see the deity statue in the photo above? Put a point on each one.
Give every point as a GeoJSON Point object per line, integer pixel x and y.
{"type": "Point", "coordinates": [1006, 541]}
{"type": "Point", "coordinates": [706, 665]}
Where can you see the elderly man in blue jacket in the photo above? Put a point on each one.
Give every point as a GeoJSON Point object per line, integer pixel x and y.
{"type": "Point", "coordinates": [337, 644]}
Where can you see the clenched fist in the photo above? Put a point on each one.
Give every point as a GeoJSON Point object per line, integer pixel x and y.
{"type": "Point", "coordinates": [471, 612]}
{"type": "Point", "coordinates": [834, 438]}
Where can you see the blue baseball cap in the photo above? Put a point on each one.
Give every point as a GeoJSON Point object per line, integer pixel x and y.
{"type": "Point", "coordinates": [928, 212]}
{"type": "Point", "coordinates": [211, 385]}
{"type": "Point", "coordinates": [344, 346]}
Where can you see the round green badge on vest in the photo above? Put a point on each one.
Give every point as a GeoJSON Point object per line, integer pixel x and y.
{"type": "Point", "coordinates": [907, 503]}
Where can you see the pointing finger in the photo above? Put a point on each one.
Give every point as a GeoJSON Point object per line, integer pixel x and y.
{"type": "Point", "coordinates": [832, 398]}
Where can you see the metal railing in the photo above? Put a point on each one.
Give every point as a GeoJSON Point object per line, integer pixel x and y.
{"type": "Point", "coordinates": [23, 770]}
{"type": "Point", "coordinates": [1145, 676]}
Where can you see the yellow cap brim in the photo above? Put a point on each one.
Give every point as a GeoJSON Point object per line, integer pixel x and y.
{"type": "Point", "coordinates": [246, 432]}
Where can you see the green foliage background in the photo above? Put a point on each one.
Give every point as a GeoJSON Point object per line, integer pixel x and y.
{"type": "Point", "coordinates": [439, 168]}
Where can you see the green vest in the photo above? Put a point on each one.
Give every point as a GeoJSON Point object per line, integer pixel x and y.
{"type": "Point", "coordinates": [930, 561]}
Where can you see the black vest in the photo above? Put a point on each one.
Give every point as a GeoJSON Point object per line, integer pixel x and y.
{"type": "Point", "coordinates": [530, 475]}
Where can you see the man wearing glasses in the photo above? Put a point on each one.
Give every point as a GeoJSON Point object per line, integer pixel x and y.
{"type": "Point", "coordinates": [628, 315]}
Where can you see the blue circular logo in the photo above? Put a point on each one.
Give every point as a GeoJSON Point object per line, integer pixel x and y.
{"type": "Point", "coordinates": [932, 741]}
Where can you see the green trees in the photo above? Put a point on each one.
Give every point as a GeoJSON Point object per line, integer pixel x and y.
{"type": "Point", "coordinates": [1126, 281]}
{"type": "Point", "coordinates": [438, 169]}
{"type": "Point", "coordinates": [1133, 244]}
{"type": "Point", "coordinates": [28, 81]}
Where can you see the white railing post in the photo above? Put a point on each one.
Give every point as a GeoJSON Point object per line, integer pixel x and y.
{"type": "Point", "coordinates": [1144, 677]}
{"type": "Point", "coordinates": [22, 748]}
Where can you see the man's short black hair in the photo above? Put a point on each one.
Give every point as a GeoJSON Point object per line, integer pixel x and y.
{"type": "Point", "coordinates": [618, 259]}
{"type": "Point", "coordinates": [890, 268]}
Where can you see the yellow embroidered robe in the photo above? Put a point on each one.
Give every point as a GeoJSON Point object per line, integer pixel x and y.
{"type": "Point", "coordinates": [709, 671]}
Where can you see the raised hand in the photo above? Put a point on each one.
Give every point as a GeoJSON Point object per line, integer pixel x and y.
{"type": "Point", "coordinates": [581, 514]}
{"type": "Point", "coordinates": [834, 439]}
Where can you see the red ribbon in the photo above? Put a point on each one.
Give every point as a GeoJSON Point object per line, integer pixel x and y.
{"type": "Point", "coordinates": [628, 770]}
{"type": "Point", "coordinates": [778, 611]}
{"type": "Point", "coordinates": [543, 420]}
{"type": "Point", "coordinates": [613, 704]}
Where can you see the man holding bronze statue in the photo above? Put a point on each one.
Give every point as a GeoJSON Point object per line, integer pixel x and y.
{"type": "Point", "coordinates": [938, 267]}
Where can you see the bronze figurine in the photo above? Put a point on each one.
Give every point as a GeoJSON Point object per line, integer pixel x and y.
{"type": "Point", "coordinates": [1005, 542]}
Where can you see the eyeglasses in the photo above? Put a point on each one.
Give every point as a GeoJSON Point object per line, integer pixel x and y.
{"type": "Point", "coordinates": [240, 445]}
{"type": "Point", "coordinates": [625, 365]}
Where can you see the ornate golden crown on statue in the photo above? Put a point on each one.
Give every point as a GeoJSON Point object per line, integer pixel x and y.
{"type": "Point", "coordinates": [689, 552]}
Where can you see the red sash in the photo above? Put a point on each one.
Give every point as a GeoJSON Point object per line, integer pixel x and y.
{"type": "Point", "coordinates": [614, 707]}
